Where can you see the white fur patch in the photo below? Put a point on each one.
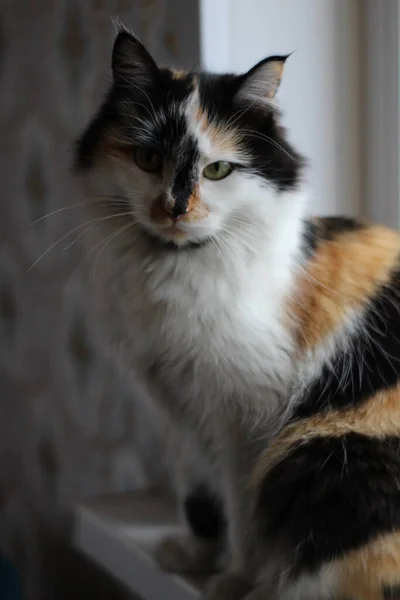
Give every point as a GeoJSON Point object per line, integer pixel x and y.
{"type": "Point", "coordinates": [319, 586]}
{"type": "Point", "coordinates": [322, 356]}
{"type": "Point", "coordinates": [218, 309]}
{"type": "Point", "coordinates": [209, 151]}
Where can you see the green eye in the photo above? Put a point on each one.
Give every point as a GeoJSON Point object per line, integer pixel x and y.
{"type": "Point", "coordinates": [218, 170]}
{"type": "Point", "coordinates": [148, 160]}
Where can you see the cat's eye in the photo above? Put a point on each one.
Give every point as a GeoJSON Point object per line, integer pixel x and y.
{"type": "Point", "coordinates": [217, 170]}
{"type": "Point", "coordinates": [147, 159]}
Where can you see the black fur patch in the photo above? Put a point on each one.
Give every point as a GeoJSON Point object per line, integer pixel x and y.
{"type": "Point", "coordinates": [331, 495]}
{"type": "Point", "coordinates": [310, 239]}
{"type": "Point", "coordinates": [326, 229]}
{"type": "Point", "coordinates": [332, 227]}
{"type": "Point", "coordinates": [204, 513]}
{"type": "Point", "coordinates": [185, 179]}
{"type": "Point", "coordinates": [370, 363]}
{"type": "Point", "coordinates": [132, 110]}
{"type": "Point", "coordinates": [391, 593]}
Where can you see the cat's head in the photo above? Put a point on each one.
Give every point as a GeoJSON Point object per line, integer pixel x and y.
{"type": "Point", "coordinates": [192, 153]}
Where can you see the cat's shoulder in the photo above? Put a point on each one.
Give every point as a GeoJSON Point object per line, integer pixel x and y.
{"type": "Point", "coordinates": [348, 232]}
{"type": "Point", "coordinates": [351, 268]}
{"type": "Point", "coordinates": [350, 256]}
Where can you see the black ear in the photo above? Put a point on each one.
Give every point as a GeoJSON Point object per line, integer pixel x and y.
{"type": "Point", "coordinates": [262, 81]}
{"type": "Point", "coordinates": [131, 63]}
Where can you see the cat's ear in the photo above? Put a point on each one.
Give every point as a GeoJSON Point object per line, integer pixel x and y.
{"type": "Point", "coordinates": [261, 83]}
{"type": "Point", "coordinates": [131, 63]}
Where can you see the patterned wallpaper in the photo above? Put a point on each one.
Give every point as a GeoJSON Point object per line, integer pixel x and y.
{"type": "Point", "coordinates": [68, 426]}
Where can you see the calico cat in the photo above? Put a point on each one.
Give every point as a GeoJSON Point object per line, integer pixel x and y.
{"type": "Point", "coordinates": [270, 338]}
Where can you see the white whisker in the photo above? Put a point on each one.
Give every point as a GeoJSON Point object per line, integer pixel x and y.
{"type": "Point", "coordinates": [98, 222]}
{"type": "Point", "coordinates": [266, 138]}
{"type": "Point", "coordinates": [107, 241]}
{"type": "Point", "coordinates": [63, 237]}
{"type": "Point", "coordinates": [234, 234]}
{"type": "Point", "coordinates": [109, 199]}
{"type": "Point", "coordinates": [58, 242]}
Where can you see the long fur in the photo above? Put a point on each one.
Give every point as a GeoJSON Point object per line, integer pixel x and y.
{"type": "Point", "coordinates": [269, 338]}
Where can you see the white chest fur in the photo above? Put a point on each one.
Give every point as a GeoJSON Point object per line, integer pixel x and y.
{"type": "Point", "coordinates": [209, 327]}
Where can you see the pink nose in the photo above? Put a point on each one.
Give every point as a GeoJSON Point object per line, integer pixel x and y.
{"type": "Point", "coordinates": [174, 210]}
{"type": "Point", "coordinates": [171, 213]}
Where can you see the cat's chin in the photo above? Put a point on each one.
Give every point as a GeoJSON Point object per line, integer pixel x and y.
{"type": "Point", "coordinates": [176, 239]}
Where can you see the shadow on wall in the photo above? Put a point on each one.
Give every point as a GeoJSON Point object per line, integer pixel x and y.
{"type": "Point", "coordinates": [68, 427]}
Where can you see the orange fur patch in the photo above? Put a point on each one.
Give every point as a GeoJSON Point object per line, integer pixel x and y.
{"type": "Point", "coordinates": [197, 209]}
{"type": "Point", "coordinates": [379, 417]}
{"type": "Point", "coordinates": [364, 573]}
{"type": "Point", "coordinates": [342, 276]}
{"type": "Point", "coordinates": [223, 139]}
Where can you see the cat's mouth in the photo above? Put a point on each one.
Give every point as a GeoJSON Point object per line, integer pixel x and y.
{"type": "Point", "coordinates": [182, 228]}
{"type": "Point", "coordinates": [174, 232]}
{"type": "Point", "coordinates": [178, 236]}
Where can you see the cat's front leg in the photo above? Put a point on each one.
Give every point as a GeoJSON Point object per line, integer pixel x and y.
{"type": "Point", "coordinates": [237, 457]}
{"type": "Point", "coordinates": [199, 545]}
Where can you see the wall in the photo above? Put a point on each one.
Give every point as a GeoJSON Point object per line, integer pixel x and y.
{"type": "Point", "coordinates": [321, 91]}
{"type": "Point", "coordinates": [68, 426]}
{"type": "Point", "coordinates": [381, 61]}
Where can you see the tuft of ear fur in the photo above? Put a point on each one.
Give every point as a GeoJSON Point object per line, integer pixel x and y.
{"type": "Point", "coordinates": [131, 63]}
{"type": "Point", "coordinates": [261, 83]}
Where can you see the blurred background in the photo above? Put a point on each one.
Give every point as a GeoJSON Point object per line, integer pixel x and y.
{"type": "Point", "coordinates": [68, 425]}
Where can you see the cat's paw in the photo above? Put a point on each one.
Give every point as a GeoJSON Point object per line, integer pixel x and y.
{"type": "Point", "coordinates": [228, 587]}
{"type": "Point", "coordinates": [179, 555]}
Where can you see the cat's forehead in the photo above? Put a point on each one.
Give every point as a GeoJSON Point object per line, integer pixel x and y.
{"type": "Point", "coordinates": [216, 137]}
{"type": "Point", "coordinates": [191, 111]}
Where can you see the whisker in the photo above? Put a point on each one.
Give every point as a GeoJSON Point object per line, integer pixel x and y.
{"type": "Point", "coordinates": [78, 204]}
{"type": "Point", "coordinates": [78, 237]}
{"type": "Point", "coordinates": [223, 248]}
{"type": "Point", "coordinates": [245, 226]}
{"type": "Point", "coordinates": [266, 138]}
{"type": "Point", "coordinates": [63, 237]}
{"type": "Point", "coordinates": [312, 279]}
{"type": "Point", "coordinates": [108, 240]}
{"type": "Point", "coordinates": [233, 234]}
{"type": "Point", "coordinates": [238, 114]}
{"type": "Point", "coordinates": [56, 243]}
{"type": "Point", "coordinates": [148, 99]}
{"type": "Point", "coordinates": [88, 255]}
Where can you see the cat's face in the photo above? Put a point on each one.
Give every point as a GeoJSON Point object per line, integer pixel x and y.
{"type": "Point", "coordinates": [194, 154]}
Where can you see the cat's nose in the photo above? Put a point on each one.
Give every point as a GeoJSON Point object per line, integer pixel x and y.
{"type": "Point", "coordinates": [176, 208]}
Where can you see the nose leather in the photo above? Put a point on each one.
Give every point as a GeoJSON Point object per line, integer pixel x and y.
{"type": "Point", "coordinates": [178, 206]}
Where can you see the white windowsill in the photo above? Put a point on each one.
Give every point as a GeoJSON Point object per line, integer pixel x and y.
{"type": "Point", "coordinates": [120, 532]}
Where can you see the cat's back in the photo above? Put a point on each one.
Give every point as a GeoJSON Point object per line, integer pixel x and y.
{"type": "Point", "coordinates": [335, 464]}
{"type": "Point", "coordinates": [352, 271]}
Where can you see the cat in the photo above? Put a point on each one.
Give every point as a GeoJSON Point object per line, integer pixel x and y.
{"type": "Point", "coordinates": [271, 339]}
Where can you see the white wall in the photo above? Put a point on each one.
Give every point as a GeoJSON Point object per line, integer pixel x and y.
{"type": "Point", "coordinates": [321, 91]}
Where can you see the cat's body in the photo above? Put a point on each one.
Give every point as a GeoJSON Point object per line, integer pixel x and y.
{"type": "Point", "coordinates": [252, 325]}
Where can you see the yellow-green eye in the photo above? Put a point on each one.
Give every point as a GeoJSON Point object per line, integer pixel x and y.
{"type": "Point", "coordinates": [218, 170]}
{"type": "Point", "coordinates": [147, 159]}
